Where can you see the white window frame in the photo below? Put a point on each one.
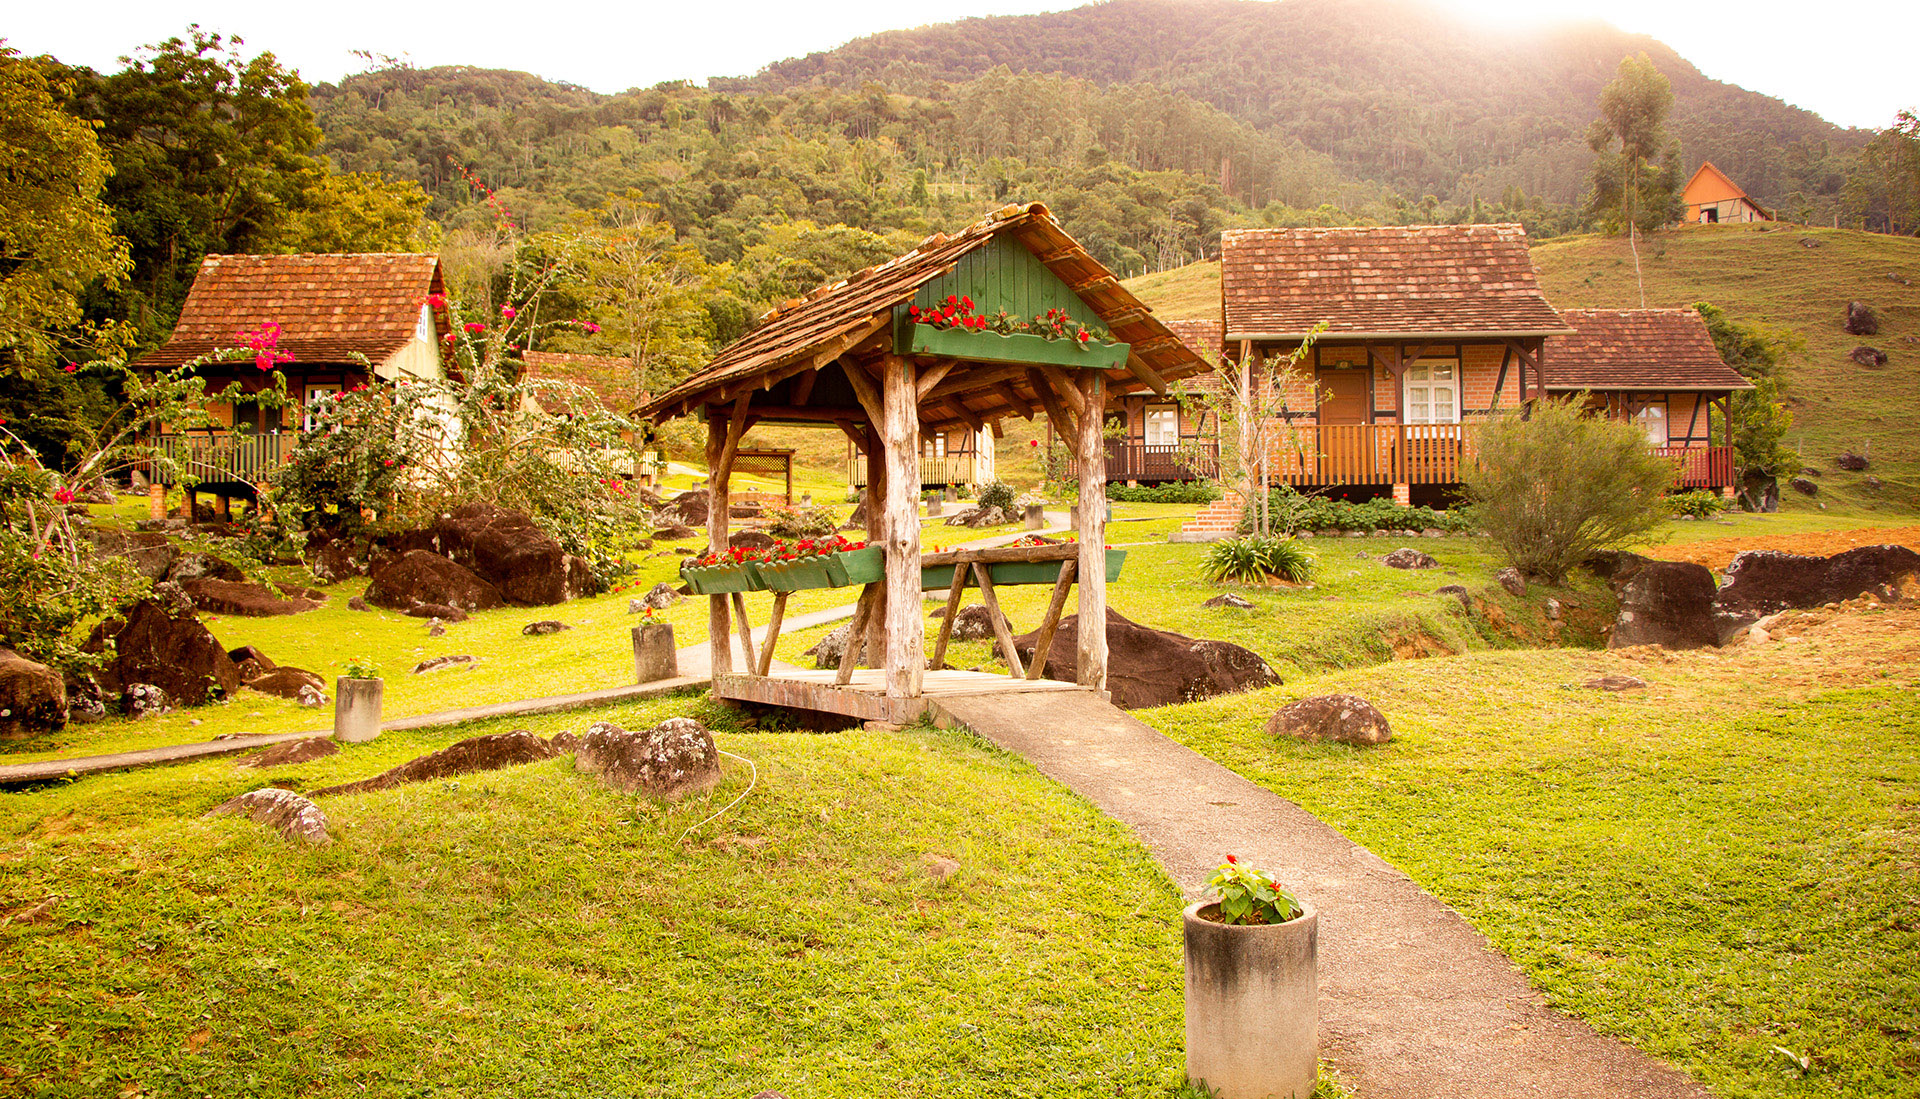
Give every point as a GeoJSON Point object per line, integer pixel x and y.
{"type": "Point", "coordinates": [1419, 377]}
{"type": "Point", "coordinates": [935, 448]}
{"type": "Point", "coordinates": [1650, 415]}
{"type": "Point", "coordinates": [314, 394]}
{"type": "Point", "coordinates": [1161, 426]}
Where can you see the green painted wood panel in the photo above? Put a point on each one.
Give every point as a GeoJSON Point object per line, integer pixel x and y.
{"type": "Point", "coordinates": [1001, 275]}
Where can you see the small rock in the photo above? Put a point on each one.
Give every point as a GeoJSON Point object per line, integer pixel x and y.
{"type": "Point", "coordinates": [145, 700]}
{"type": "Point", "coordinates": [940, 868]}
{"type": "Point", "coordinates": [441, 663]}
{"type": "Point", "coordinates": [660, 597]}
{"type": "Point", "coordinates": [1458, 592]}
{"type": "Point", "coordinates": [293, 816]}
{"type": "Point", "coordinates": [441, 611]}
{"type": "Point", "coordinates": [1809, 242]}
{"type": "Point", "coordinates": [1553, 609]}
{"type": "Point", "coordinates": [1872, 481]}
{"type": "Point", "coordinates": [674, 532]}
{"type": "Point", "coordinates": [357, 604]}
{"type": "Point", "coordinates": [287, 682]}
{"type": "Point", "coordinates": [474, 754]}
{"type": "Point", "coordinates": [564, 742]}
{"type": "Point", "coordinates": [827, 651]}
{"type": "Point", "coordinates": [1851, 461]}
{"type": "Point", "coordinates": [1362, 555]}
{"type": "Point", "coordinates": [671, 760]}
{"type": "Point", "coordinates": [436, 628]}
{"type": "Point", "coordinates": [1756, 636]}
{"type": "Point", "coordinates": [1861, 320]}
{"type": "Point", "coordinates": [1804, 486]}
{"type": "Point", "coordinates": [543, 628]}
{"type": "Point", "coordinates": [1868, 356]}
{"type": "Point", "coordinates": [1345, 719]}
{"type": "Point", "coordinates": [287, 753]}
{"type": "Point", "coordinates": [1229, 599]}
{"type": "Point", "coordinates": [881, 727]}
{"type": "Point", "coordinates": [1433, 532]}
{"type": "Point", "coordinates": [313, 698]}
{"type": "Point", "coordinates": [1510, 579]}
{"type": "Point", "coordinates": [1615, 682]}
{"type": "Point", "coordinates": [972, 623]}
{"type": "Point", "coordinates": [1404, 558]}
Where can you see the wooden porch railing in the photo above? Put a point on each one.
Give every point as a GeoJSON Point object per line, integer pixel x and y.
{"type": "Point", "coordinates": [1188, 460]}
{"type": "Point", "coordinates": [223, 458]}
{"type": "Point", "coordinates": [953, 469]}
{"type": "Point", "coordinates": [1701, 467]}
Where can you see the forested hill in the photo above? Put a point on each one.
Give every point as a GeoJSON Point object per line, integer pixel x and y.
{"type": "Point", "coordinates": [1392, 90]}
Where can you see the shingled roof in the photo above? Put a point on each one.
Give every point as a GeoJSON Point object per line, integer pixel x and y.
{"type": "Point", "coordinates": [328, 306]}
{"type": "Point", "coordinates": [608, 377]}
{"type": "Point", "coordinates": [1649, 349]}
{"type": "Point", "coordinates": [1389, 282]}
{"type": "Point", "coordinates": [813, 332]}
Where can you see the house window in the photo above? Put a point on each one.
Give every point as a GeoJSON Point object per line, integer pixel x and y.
{"type": "Point", "coordinates": [423, 330]}
{"type": "Point", "coordinates": [1433, 392]}
{"type": "Point", "coordinates": [317, 396]}
{"type": "Point", "coordinates": [936, 447]}
{"type": "Point", "coordinates": [1653, 420]}
{"type": "Point", "coordinates": [1163, 427]}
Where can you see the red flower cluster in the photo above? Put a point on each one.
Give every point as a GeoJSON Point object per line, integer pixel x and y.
{"type": "Point", "coordinates": [475, 326]}
{"type": "Point", "coordinates": [264, 344]}
{"type": "Point", "coordinates": [63, 495]}
{"type": "Point", "coordinates": [436, 302]}
{"type": "Point", "coordinates": [1028, 541]}
{"type": "Point", "coordinates": [955, 312]}
{"type": "Point", "coordinates": [779, 551]}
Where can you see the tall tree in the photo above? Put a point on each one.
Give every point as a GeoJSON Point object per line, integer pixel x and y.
{"type": "Point", "coordinates": [1628, 188]}
{"type": "Point", "coordinates": [56, 235]}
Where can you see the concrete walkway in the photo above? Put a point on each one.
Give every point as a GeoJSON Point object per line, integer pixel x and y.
{"type": "Point", "coordinates": [1414, 1002]}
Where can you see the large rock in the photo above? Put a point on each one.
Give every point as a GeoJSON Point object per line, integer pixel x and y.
{"type": "Point", "coordinates": [150, 552]}
{"type": "Point", "coordinates": [1149, 667]}
{"type": "Point", "coordinates": [1861, 320]}
{"type": "Point", "coordinates": [660, 597]}
{"type": "Point", "coordinates": [203, 566]}
{"type": "Point", "coordinates": [1405, 558]}
{"type": "Point", "coordinates": [858, 519]}
{"type": "Point", "coordinates": [1868, 356]}
{"type": "Point", "coordinates": [671, 760]}
{"type": "Point", "coordinates": [417, 577]}
{"type": "Point", "coordinates": [333, 559]}
{"type": "Point", "coordinates": [674, 532]}
{"type": "Point", "coordinates": [1804, 486]}
{"type": "Point", "coordinates": [751, 539]}
{"type": "Point", "coordinates": [508, 550]}
{"type": "Point", "coordinates": [1763, 582]}
{"type": "Point", "coordinates": [689, 509]}
{"type": "Point", "coordinates": [286, 812]}
{"type": "Point", "coordinates": [1851, 461]}
{"type": "Point", "coordinates": [164, 644]}
{"type": "Point", "coordinates": [286, 682]}
{"type": "Point", "coordinates": [251, 661]}
{"type": "Point", "coordinates": [1510, 579]}
{"type": "Point", "coordinates": [290, 752]}
{"type": "Point", "coordinates": [242, 599]}
{"type": "Point", "coordinates": [827, 651]}
{"type": "Point", "coordinates": [1666, 603]}
{"type": "Point", "coordinates": [480, 753]}
{"type": "Point", "coordinates": [979, 517]}
{"type": "Point", "coordinates": [972, 623]}
{"type": "Point", "coordinates": [33, 697]}
{"type": "Point", "coordinates": [1345, 719]}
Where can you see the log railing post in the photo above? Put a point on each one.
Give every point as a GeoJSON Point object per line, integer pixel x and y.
{"type": "Point", "coordinates": [719, 645]}
{"type": "Point", "coordinates": [905, 647]}
{"type": "Point", "coordinates": [1092, 452]}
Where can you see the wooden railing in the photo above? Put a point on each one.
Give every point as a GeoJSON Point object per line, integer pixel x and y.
{"type": "Point", "coordinates": [953, 469]}
{"type": "Point", "coordinates": [1188, 460]}
{"type": "Point", "coordinates": [1701, 467]}
{"type": "Point", "coordinates": [223, 458]}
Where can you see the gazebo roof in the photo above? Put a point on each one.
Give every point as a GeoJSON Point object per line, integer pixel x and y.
{"type": "Point", "coordinates": [857, 318]}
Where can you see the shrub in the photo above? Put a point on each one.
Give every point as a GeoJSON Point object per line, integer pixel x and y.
{"type": "Point", "coordinates": [997, 494]}
{"type": "Point", "coordinates": [1554, 488]}
{"type": "Point", "coordinates": [802, 522]}
{"type": "Point", "coordinates": [1251, 560]}
{"type": "Point", "coordinates": [1293, 511]}
{"type": "Point", "coordinates": [1698, 503]}
{"type": "Point", "coordinates": [1173, 492]}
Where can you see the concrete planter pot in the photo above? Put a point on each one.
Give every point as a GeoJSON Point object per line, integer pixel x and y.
{"type": "Point", "coordinates": [1036, 517]}
{"type": "Point", "coordinates": [356, 709]}
{"type": "Point", "coordinates": [1253, 1013]}
{"type": "Point", "coordinates": [654, 656]}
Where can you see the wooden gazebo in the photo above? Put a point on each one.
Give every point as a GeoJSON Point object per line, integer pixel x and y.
{"type": "Point", "coordinates": [853, 355]}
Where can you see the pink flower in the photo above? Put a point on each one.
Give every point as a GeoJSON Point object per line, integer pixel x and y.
{"type": "Point", "coordinates": [63, 495]}
{"type": "Point", "coordinates": [436, 301]}
{"type": "Point", "coordinates": [71, 367]}
{"type": "Point", "coordinates": [508, 312]}
{"type": "Point", "coordinates": [475, 326]}
{"type": "Point", "coordinates": [388, 462]}
{"type": "Point", "coordinates": [589, 327]}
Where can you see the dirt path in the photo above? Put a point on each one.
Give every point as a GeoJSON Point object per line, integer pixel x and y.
{"type": "Point", "coordinates": [1414, 1003]}
{"type": "Point", "coordinates": [1717, 553]}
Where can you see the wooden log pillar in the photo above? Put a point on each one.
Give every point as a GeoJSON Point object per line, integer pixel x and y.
{"type": "Point", "coordinates": [719, 644]}
{"type": "Point", "coordinates": [1091, 451]}
{"type": "Point", "coordinates": [905, 658]}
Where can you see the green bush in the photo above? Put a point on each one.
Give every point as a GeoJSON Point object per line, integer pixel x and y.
{"type": "Point", "coordinates": [997, 494]}
{"type": "Point", "coordinates": [801, 521]}
{"type": "Point", "coordinates": [1251, 560]}
{"type": "Point", "coordinates": [1554, 488]}
{"type": "Point", "coordinates": [1698, 503]}
{"type": "Point", "coordinates": [1174, 492]}
{"type": "Point", "coordinates": [1293, 511]}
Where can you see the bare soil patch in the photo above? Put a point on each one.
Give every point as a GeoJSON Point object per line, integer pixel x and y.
{"type": "Point", "coordinates": [1718, 553]}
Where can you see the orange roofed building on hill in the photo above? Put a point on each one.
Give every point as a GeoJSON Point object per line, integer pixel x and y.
{"type": "Point", "coordinates": [1713, 197]}
{"type": "Point", "coordinates": [331, 312]}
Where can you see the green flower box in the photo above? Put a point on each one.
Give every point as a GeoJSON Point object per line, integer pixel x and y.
{"type": "Point", "coordinates": [940, 577]}
{"type": "Point", "coordinates": [721, 579]}
{"type": "Point", "coordinates": [1018, 347]}
{"type": "Point", "coordinates": [836, 570]}
{"type": "Point", "coordinates": [867, 565]}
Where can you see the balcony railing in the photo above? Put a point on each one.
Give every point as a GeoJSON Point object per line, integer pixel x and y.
{"type": "Point", "coordinates": [1366, 454]}
{"type": "Point", "coordinates": [223, 458]}
{"type": "Point", "coordinates": [951, 469]}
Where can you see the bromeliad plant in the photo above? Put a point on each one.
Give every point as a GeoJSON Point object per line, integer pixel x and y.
{"type": "Point", "coordinates": [1252, 559]}
{"type": "Point", "coordinates": [1249, 896]}
{"type": "Point", "coordinates": [1055, 324]}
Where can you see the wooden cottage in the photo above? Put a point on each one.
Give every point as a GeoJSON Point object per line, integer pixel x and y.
{"type": "Point", "coordinates": [881, 358]}
{"type": "Point", "coordinates": [1660, 369]}
{"type": "Point", "coordinates": [1712, 197]}
{"type": "Point", "coordinates": [1154, 438]}
{"type": "Point", "coordinates": [1424, 330]}
{"type": "Point", "coordinates": [328, 308]}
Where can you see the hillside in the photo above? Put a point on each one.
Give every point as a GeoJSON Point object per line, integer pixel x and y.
{"type": "Point", "coordinates": [1391, 90]}
{"type": "Point", "coordinates": [1794, 278]}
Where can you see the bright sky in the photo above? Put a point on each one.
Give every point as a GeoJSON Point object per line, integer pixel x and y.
{"type": "Point", "coordinates": [1849, 62]}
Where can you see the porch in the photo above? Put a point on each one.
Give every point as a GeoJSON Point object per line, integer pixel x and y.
{"type": "Point", "coordinates": [1429, 454]}
{"type": "Point", "coordinates": [949, 469]}
{"type": "Point", "coordinates": [1191, 459]}
{"type": "Point", "coordinates": [219, 458]}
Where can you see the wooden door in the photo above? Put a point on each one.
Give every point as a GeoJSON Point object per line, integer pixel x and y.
{"type": "Point", "coordinates": [1346, 442]}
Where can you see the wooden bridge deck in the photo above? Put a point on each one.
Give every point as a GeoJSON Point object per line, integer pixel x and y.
{"type": "Point", "coordinates": [865, 696]}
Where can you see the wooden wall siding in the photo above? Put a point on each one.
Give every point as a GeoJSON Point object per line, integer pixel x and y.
{"type": "Point", "coordinates": [1004, 274]}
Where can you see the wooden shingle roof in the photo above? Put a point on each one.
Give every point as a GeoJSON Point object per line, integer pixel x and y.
{"type": "Point", "coordinates": [1645, 349]}
{"type": "Point", "coordinates": [608, 377]}
{"type": "Point", "coordinates": [1387, 282]}
{"type": "Point", "coordinates": [811, 333]}
{"type": "Point", "coordinates": [328, 306]}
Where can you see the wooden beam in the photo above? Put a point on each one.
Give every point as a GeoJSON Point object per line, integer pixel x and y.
{"type": "Point", "coordinates": [736, 427]}
{"type": "Point", "coordinates": [1056, 411]}
{"type": "Point", "coordinates": [854, 432]}
{"type": "Point", "coordinates": [930, 376]}
{"type": "Point", "coordinates": [803, 387]}
{"type": "Point", "coordinates": [1002, 632]}
{"type": "Point", "coordinates": [1043, 641]}
{"type": "Point", "coordinates": [1064, 385]}
{"type": "Point", "coordinates": [954, 594]}
{"type": "Point", "coordinates": [1020, 405]}
{"type": "Point", "coordinates": [900, 432]}
{"type": "Point", "coordinates": [1091, 452]}
{"type": "Point", "coordinates": [963, 414]}
{"type": "Point", "coordinates": [746, 631]}
{"type": "Point", "coordinates": [864, 389]}
{"type": "Point", "coordinates": [856, 634]}
{"type": "Point", "coordinates": [975, 380]}
{"type": "Point", "coordinates": [719, 646]}
{"type": "Point", "coordinates": [1139, 368]}
{"type": "Point", "coordinates": [773, 631]}
{"type": "Point", "coordinates": [811, 414]}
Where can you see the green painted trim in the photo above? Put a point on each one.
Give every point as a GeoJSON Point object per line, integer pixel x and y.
{"type": "Point", "coordinates": [940, 578]}
{"type": "Point", "coordinates": [1021, 347]}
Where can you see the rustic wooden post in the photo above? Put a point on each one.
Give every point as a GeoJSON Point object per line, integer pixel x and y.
{"type": "Point", "coordinates": [905, 646]}
{"type": "Point", "coordinates": [876, 629]}
{"type": "Point", "coordinates": [1092, 572]}
{"type": "Point", "coordinates": [719, 645]}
